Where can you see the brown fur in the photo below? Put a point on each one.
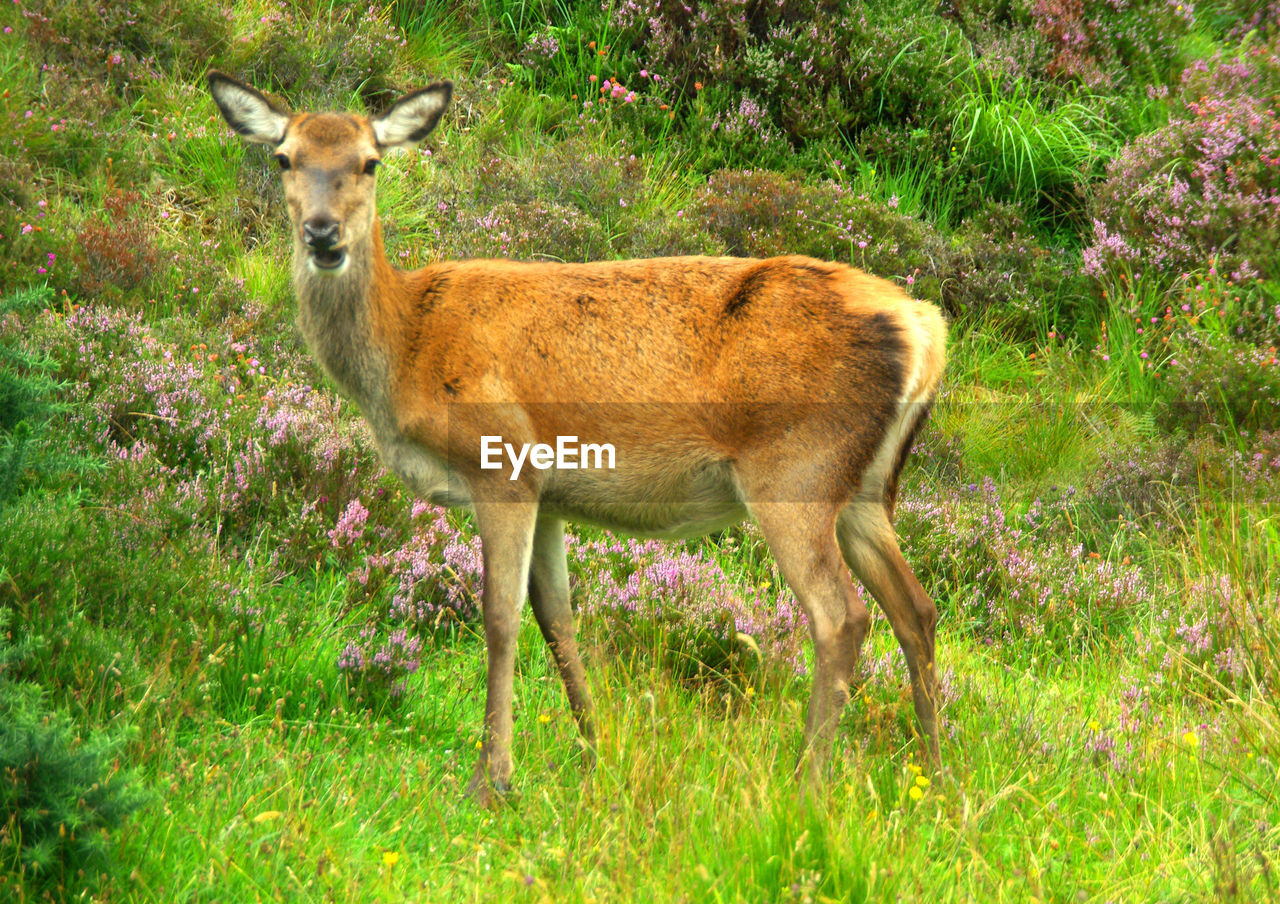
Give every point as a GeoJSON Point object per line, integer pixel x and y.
{"type": "Point", "coordinates": [785, 389]}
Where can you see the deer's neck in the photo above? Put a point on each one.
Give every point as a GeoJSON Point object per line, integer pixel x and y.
{"type": "Point", "coordinates": [339, 318]}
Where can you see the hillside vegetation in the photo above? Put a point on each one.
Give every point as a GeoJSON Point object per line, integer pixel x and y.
{"type": "Point", "coordinates": [239, 663]}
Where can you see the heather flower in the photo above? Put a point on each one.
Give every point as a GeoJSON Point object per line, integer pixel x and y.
{"type": "Point", "coordinates": [1174, 198]}
{"type": "Point", "coordinates": [350, 526]}
{"type": "Point", "coordinates": [658, 590]}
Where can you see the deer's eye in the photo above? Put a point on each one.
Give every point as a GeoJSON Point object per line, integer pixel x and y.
{"type": "Point", "coordinates": [282, 160]}
{"type": "Point", "coordinates": [371, 165]}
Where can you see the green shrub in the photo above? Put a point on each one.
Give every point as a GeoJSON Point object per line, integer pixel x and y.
{"type": "Point", "coordinates": [1175, 199]}
{"type": "Point", "coordinates": [757, 213]}
{"type": "Point", "coordinates": [1094, 43]}
{"type": "Point", "coordinates": [800, 67]}
{"type": "Point", "coordinates": [1002, 269]}
{"type": "Point", "coordinates": [28, 401]}
{"type": "Point", "coordinates": [1203, 356]}
{"type": "Point", "coordinates": [60, 792]}
{"type": "Point", "coordinates": [121, 46]}
{"type": "Point", "coordinates": [320, 59]}
{"type": "Point", "coordinates": [1220, 382]}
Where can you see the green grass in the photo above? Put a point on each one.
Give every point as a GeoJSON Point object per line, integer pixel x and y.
{"type": "Point", "coordinates": [1028, 145]}
{"type": "Point", "coordinates": [916, 189]}
{"type": "Point", "coordinates": [693, 800]}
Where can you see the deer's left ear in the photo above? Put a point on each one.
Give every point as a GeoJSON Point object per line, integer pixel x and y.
{"type": "Point", "coordinates": [413, 116]}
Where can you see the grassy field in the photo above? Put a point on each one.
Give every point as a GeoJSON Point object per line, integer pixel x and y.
{"type": "Point", "coordinates": [239, 663]}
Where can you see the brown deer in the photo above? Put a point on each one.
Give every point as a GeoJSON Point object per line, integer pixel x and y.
{"type": "Point", "coordinates": [787, 390]}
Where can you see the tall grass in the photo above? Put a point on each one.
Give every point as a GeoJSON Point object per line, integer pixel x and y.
{"type": "Point", "coordinates": [1027, 143]}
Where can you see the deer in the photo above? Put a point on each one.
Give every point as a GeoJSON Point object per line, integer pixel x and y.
{"type": "Point", "coordinates": [785, 390]}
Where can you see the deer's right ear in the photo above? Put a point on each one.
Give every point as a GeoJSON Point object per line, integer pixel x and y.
{"type": "Point", "coordinates": [247, 110]}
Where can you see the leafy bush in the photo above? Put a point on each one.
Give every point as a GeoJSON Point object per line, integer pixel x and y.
{"type": "Point", "coordinates": [757, 213]}
{"type": "Point", "coordinates": [61, 793]}
{"type": "Point", "coordinates": [703, 623]}
{"type": "Point", "coordinates": [28, 401]}
{"type": "Point", "coordinates": [1001, 267]}
{"type": "Point", "coordinates": [1208, 631]}
{"type": "Point", "coordinates": [1174, 200]}
{"type": "Point", "coordinates": [116, 254]}
{"type": "Point", "coordinates": [799, 66]}
{"type": "Point", "coordinates": [994, 264]}
{"type": "Point", "coordinates": [433, 577]}
{"type": "Point", "coordinates": [1099, 43]}
{"type": "Point", "coordinates": [323, 57]}
{"type": "Point", "coordinates": [531, 230]}
{"type": "Point", "coordinates": [571, 202]}
{"type": "Point", "coordinates": [1006, 572]}
{"type": "Point", "coordinates": [118, 44]}
{"type": "Point", "coordinates": [1205, 356]}
{"type": "Point", "coordinates": [1220, 381]}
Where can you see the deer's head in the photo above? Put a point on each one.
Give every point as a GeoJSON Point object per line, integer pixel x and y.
{"type": "Point", "coordinates": [328, 161]}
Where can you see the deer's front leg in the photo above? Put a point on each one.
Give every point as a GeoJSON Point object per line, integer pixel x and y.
{"type": "Point", "coordinates": [506, 532]}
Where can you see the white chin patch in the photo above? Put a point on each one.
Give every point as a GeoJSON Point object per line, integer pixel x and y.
{"type": "Point", "coordinates": [313, 267]}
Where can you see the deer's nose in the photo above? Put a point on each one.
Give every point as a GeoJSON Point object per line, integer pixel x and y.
{"type": "Point", "coordinates": [320, 233]}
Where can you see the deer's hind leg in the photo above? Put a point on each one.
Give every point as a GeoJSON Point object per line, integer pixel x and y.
{"type": "Point", "coordinates": [549, 599]}
{"type": "Point", "coordinates": [870, 546]}
{"type": "Point", "coordinates": [802, 537]}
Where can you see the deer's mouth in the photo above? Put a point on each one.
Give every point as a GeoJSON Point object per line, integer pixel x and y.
{"type": "Point", "coordinates": [328, 258]}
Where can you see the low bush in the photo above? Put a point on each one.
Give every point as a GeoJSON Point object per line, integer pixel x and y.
{"type": "Point", "coordinates": [657, 597]}
{"type": "Point", "coordinates": [765, 70]}
{"type": "Point", "coordinates": [118, 45]}
{"type": "Point", "coordinates": [1175, 198]}
{"type": "Point", "coordinates": [1002, 270]}
{"type": "Point", "coordinates": [757, 213]}
{"type": "Point", "coordinates": [1206, 357]}
{"type": "Point", "coordinates": [116, 254]}
{"type": "Point", "coordinates": [61, 792]}
{"type": "Point", "coordinates": [27, 400]}
{"type": "Point", "coordinates": [1002, 571]}
{"type": "Point", "coordinates": [1097, 44]}
{"type": "Point", "coordinates": [320, 57]}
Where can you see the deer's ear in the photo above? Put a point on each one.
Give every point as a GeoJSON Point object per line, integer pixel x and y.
{"type": "Point", "coordinates": [413, 116]}
{"type": "Point", "coordinates": [248, 110]}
